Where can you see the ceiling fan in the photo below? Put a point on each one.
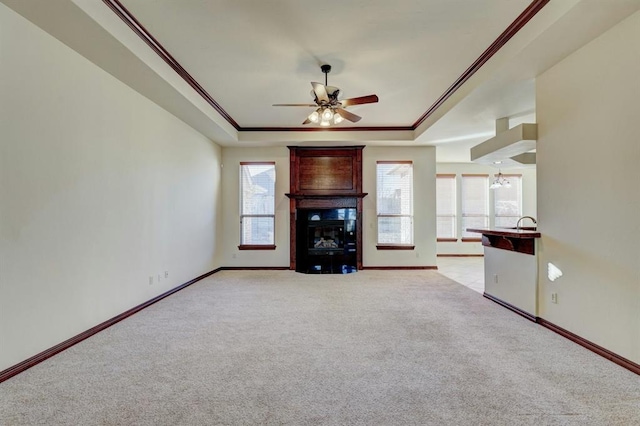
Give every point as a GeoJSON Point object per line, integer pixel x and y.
{"type": "Point", "coordinates": [330, 109]}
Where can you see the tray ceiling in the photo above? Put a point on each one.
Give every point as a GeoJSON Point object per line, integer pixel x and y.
{"type": "Point", "coordinates": [443, 70]}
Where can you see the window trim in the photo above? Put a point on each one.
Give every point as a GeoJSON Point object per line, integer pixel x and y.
{"type": "Point", "coordinates": [256, 247]}
{"type": "Point", "coordinates": [243, 216]}
{"type": "Point", "coordinates": [395, 246]}
{"type": "Point", "coordinates": [471, 240]}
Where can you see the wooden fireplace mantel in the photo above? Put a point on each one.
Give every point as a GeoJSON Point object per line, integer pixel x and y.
{"type": "Point", "coordinates": [325, 196]}
{"type": "Point", "coordinates": [325, 178]}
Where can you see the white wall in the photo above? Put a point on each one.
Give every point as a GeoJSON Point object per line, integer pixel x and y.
{"type": "Point", "coordinates": [99, 189]}
{"type": "Point", "coordinates": [231, 256]}
{"type": "Point", "coordinates": [424, 211]}
{"type": "Point", "coordinates": [588, 197]}
{"type": "Point", "coordinates": [528, 201]}
{"type": "Point", "coordinates": [424, 207]}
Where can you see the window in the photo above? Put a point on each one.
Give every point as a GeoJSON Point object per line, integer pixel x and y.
{"type": "Point", "coordinates": [395, 203]}
{"type": "Point", "coordinates": [508, 202]}
{"type": "Point", "coordinates": [446, 207]}
{"type": "Point", "coordinates": [257, 205]}
{"type": "Point", "coordinates": [475, 204]}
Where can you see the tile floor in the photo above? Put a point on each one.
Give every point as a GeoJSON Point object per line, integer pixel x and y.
{"type": "Point", "coordinates": [468, 271]}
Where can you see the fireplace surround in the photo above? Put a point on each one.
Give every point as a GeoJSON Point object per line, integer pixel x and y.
{"type": "Point", "coordinates": [325, 200]}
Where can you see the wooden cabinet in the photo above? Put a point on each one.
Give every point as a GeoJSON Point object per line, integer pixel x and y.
{"type": "Point", "coordinates": [325, 182]}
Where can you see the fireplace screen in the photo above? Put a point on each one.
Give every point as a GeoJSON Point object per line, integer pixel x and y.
{"type": "Point", "coordinates": [330, 240]}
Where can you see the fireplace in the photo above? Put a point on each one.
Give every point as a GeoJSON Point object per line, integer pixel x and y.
{"type": "Point", "coordinates": [327, 242]}
{"type": "Point", "coordinates": [326, 209]}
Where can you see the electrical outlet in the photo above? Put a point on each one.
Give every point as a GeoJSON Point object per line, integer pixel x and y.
{"type": "Point", "coordinates": [151, 280]}
{"type": "Point", "coordinates": [554, 297]}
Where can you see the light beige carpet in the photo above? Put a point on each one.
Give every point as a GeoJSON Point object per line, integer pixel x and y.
{"type": "Point", "coordinates": [369, 348]}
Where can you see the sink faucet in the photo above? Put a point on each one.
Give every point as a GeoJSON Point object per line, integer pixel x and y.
{"type": "Point", "coordinates": [525, 217]}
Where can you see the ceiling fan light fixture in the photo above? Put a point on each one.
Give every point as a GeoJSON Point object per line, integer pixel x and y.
{"type": "Point", "coordinates": [337, 118]}
{"type": "Point", "coordinates": [314, 117]}
{"type": "Point", "coordinates": [327, 114]}
{"type": "Point", "coordinates": [324, 123]}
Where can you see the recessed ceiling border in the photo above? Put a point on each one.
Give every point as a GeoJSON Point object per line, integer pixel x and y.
{"type": "Point", "coordinates": [155, 45]}
{"type": "Point", "coordinates": [329, 129]}
{"type": "Point", "coordinates": [522, 19]}
{"type": "Point", "coordinates": [531, 11]}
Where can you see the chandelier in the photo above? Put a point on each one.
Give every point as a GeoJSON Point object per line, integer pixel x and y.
{"type": "Point", "coordinates": [500, 182]}
{"type": "Point", "coordinates": [325, 115]}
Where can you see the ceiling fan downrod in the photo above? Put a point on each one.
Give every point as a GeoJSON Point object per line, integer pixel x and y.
{"type": "Point", "coordinates": [326, 69]}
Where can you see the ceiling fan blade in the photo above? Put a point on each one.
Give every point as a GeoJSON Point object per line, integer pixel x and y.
{"type": "Point", "coordinates": [307, 121]}
{"type": "Point", "coordinates": [348, 115]}
{"type": "Point", "coordinates": [370, 99]}
{"type": "Point", "coordinates": [296, 105]}
{"type": "Point", "coordinates": [321, 92]}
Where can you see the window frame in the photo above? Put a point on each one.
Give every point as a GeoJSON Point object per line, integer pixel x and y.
{"type": "Point", "coordinates": [394, 246]}
{"type": "Point", "coordinates": [242, 215]}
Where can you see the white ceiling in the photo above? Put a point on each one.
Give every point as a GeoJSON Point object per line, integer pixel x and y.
{"type": "Point", "coordinates": [248, 55]}
{"type": "Point", "coordinates": [252, 54]}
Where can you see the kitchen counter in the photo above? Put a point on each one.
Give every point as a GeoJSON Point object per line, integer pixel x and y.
{"type": "Point", "coordinates": [523, 232]}
{"type": "Point", "coordinates": [520, 240]}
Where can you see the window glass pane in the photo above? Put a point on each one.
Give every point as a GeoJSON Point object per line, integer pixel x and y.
{"type": "Point", "coordinates": [257, 230]}
{"type": "Point", "coordinates": [257, 203]}
{"type": "Point", "coordinates": [508, 203]}
{"type": "Point", "coordinates": [258, 189]}
{"type": "Point", "coordinates": [506, 221]}
{"type": "Point", "coordinates": [395, 230]}
{"type": "Point", "coordinates": [395, 202]}
{"type": "Point", "coordinates": [446, 227]}
{"type": "Point", "coordinates": [395, 188]}
{"type": "Point", "coordinates": [474, 222]}
{"type": "Point", "coordinates": [446, 206]}
{"type": "Point", "coordinates": [475, 203]}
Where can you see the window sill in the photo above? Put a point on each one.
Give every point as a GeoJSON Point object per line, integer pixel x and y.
{"type": "Point", "coordinates": [395, 247]}
{"type": "Point", "coordinates": [446, 240]}
{"type": "Point", "coordinates": [472, 240]}
{"type": "Point", "coordinates": [256, 247]}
